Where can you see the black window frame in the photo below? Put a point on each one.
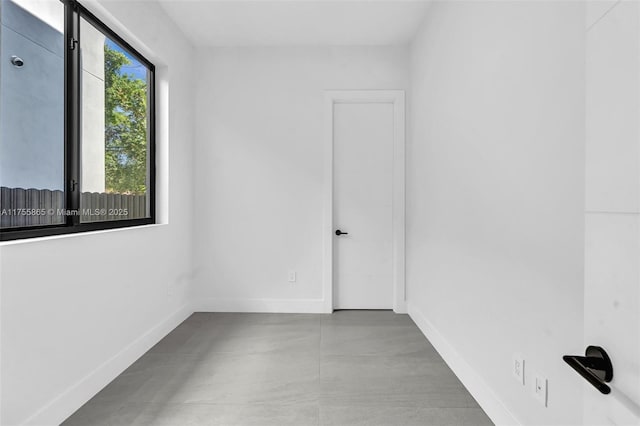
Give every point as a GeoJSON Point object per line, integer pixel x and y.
{"type": "Point", "coordinates": [73, 11]}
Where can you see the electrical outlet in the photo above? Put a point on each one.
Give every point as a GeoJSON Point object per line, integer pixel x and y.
{"type": "Point", "coordinates": [518, 368]}
{"type": "Point", "coordinates": [292, 276]}
{"type": "Point", "coordinates": [540, 389]}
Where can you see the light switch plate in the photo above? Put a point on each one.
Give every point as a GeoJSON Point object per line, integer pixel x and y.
{"type": "Point", "coordinates": [540, 391]}
{"type": "Point", "coordinates": [518, 368]}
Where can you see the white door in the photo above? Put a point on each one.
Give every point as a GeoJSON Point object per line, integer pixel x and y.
{"type": "Point", "coordinates": [612, 213]}
{"type": "Point", "coordinates": [363, 205]}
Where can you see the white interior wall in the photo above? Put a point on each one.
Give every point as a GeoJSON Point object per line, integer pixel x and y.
{"type": "Point", "coordinates": [76, 310]}
{"type": "Point", "coordinates": [259, 168]}
{"type": "Point", "coordinates": [495, 198]}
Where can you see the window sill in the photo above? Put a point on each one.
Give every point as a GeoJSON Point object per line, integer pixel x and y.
{"type": "Point", "coordinates": [79, 234]}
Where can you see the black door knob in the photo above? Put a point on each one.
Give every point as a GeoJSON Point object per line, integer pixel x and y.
{"type": "Point", "coordinates": [339, 232]}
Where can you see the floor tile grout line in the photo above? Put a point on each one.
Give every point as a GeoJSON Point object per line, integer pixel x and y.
{"type": "Point", "coordinates": [320, 358]}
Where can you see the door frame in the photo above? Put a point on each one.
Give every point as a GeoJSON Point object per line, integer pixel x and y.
{"type": "Point", "coordinates": [397, 99]}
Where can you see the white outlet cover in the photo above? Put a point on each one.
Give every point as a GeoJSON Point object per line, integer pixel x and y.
{"type": "Point", "coordinates": [540, 391]}
{"type": "Point", "coordinates": [517, 367]}
{"type": "Point", "coordinates": [292, 276]}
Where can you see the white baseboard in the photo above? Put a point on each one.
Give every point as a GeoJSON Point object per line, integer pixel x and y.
{"type": "Point", "coordinates": [61, 407]}
{"type": "Point", "coordinates": [484, 395]}
{"type": "Point", "coordinates": [400, 307]}
{"type": "Point", "coordinates": [286, 306]}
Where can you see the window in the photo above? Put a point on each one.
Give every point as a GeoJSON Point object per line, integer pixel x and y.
{"type": "Point", "coordinates": [77, 122]}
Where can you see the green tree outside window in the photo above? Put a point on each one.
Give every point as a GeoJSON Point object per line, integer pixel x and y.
{"type": "Point", "coordinates": [125, 127]}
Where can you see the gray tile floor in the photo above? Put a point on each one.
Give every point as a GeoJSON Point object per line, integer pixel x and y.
{"type": "Point", "coordinates": [349, 368]}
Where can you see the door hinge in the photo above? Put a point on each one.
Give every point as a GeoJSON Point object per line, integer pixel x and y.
{"type": "Point", "coordinates": [72, 43]}
{"type": "Point", "coordinates": [73, 184]}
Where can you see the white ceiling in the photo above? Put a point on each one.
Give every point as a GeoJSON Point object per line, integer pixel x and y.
{"type": "Point", "coordinates": [297, 22]}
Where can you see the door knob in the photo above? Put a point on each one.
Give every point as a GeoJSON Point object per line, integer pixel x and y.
{"type": "Point", "coordinates": [339, 232]}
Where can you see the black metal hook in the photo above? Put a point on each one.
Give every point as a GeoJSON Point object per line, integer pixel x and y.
{"type": "Point", "coordinates": [595, 367]}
